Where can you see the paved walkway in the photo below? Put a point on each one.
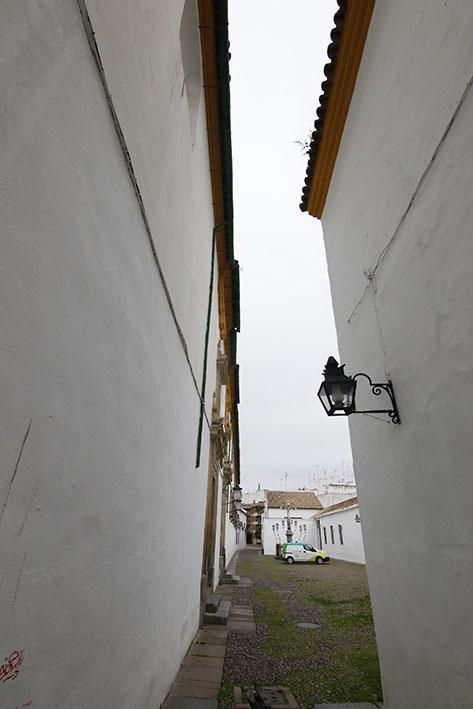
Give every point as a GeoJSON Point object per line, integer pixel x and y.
{"type": "Point", "coordinates": [198, 681]}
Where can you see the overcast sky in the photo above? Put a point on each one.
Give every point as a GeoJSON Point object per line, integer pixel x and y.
{"type": "Point", "coordinates": [287, 329]}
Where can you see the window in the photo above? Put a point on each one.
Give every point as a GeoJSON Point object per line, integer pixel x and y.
{"type": "Point", "coordinates": [340, 533]}
{"type": "Point", "coordinates": [325, 535]}
{"type": "Point", "coordinates": [332, 536]}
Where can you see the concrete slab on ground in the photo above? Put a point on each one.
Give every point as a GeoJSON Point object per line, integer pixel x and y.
{"type": "Point", "coordinates": [242, 620]}
{"type": "Point", "coordinates": [245, 611]}
{"type": "Point", "coordinates": [359, 705]}
{"type": "Point", "coordinates": [195, 690]}
{"type": "Point", "coordinates": [189, 703]}
{"type": "Point", "coordinates": [242, 628]}
{"type": "Point", "coordinates": [212, 640]}
{"type": "Point", "coordinates": [201, 674]}
{"type": "Point", "coordinates": [207, 650]}
{"type": "Point", "coordinates": [212, 632]}
{"type": "Point", "coordinates": [199, 661]}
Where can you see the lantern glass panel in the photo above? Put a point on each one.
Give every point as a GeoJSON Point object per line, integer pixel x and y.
{"type": "Point", "coordinates": [338, 396]}
{"type": "Point", "coordinates": [323, 396]}
{"type": "Point", "coordinates": [341, 393]}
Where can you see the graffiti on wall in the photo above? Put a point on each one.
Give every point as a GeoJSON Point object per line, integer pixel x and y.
{"type": "Point", "coordinates": [11, 665]}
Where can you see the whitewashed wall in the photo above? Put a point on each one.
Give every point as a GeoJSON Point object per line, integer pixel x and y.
{"type": "Point", "coordinates": [352, 547]}
{"type": "Point", "coordinates": [269, 539]}
{"type": "Point", "coordinates": [333, 498]}
{"type": "Point", "coordinates": [99, 496]}
{"type": "Point", "coordinates": [218, 537]}
{"type": "Point", "coordinates": [275, 513]}
{"type": "Point", "coordinates": [249, 498]}
{"type": "Point", "coordinates": [412, 110]}
{"type": "Point", "coordinates": [235, 539]}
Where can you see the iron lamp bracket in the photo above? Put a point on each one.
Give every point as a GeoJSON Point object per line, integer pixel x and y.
{"type": "Point", "coordinates": [377, 388]}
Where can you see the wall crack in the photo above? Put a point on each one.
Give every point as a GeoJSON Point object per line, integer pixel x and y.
{"type": "Point", "coordinates": [15, 469]}
{"type": "Point", "coordinates": [416, 191]}
{"type": "Point", "coordinates": [18, 581]}
{"type": "Point", "coordinates": [90, 34]}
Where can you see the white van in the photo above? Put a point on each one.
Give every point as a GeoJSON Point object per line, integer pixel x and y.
{"type": "Point", "coordinates": [297, 551]}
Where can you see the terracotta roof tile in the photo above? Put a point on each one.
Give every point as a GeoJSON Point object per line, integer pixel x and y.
{"type": "Point", "coordinates": [340, 506]}
{"type": "Point", "coordinates": [332, 52]}
{"type": "Point", "coordinates": [304, 500]}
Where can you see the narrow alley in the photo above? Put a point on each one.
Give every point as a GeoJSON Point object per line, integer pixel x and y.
{"type": "Point", "coordinates": [175, 426]}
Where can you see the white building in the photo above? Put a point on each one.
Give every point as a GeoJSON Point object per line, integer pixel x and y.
{"type": "Point", "coordinates": [391, 177]}
{"type": "Point", "coordinates": [339, 531]}
{"type": "Point", "coordinates": [332, 493]}
{"type": "Point", "coordinates": [115, 196]}
{"type": "Point", "coordinates": [250, 498]}
{"type": "Point", "coordinates": [235, 535]}
{"type": "Point", "coordinates": [301, 507]}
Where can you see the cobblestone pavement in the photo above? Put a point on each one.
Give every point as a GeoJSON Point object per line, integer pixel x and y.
{"type": "Point", "coordinates": [332, 657]}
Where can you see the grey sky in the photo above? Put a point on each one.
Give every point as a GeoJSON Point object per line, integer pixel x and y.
{"type": "Point", "coordinates": [287, 329]}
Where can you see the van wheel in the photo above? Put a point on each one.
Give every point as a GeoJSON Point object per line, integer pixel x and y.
{"type": "Point", "coordinates": [290, 560]}
{"type": "Point", "coordinates": [319, 560]}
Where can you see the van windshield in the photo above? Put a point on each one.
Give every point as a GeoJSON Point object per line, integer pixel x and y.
{"type": "Point", "coordinates": [309, 547]}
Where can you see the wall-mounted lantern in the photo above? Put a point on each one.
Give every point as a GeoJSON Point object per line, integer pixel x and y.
{"type": "Point", "coordinates": [237, 497]}
{"type": "Point", "coordinates": [234, 498]}
{"type": "Point", "coordinates": [337, 392]}
{"type": "Point", "coordinates": [357, 518]}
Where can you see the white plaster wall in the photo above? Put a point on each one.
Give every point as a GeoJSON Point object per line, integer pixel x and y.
{"type": "Point", "coordinates": [249, 498]}
{"type": "Point", "coordinates": [352, 548]}
{"type": "Point", "coordinates": [413, 323]}
{"type": "Point", "coordinates": [218, 538]}
{"type": "Point", "coordinates": [274, 513]}
{"type": "Point", "coordinates": [149, 91]}
{"type": "Point", "coordinates": [235, 539]}
{"type": "Point", "coordinates": [333, 498]}
{"type": "Point", "coordinates": [269, 539]}
{"type": "Point", "coordinates": [101, 507]}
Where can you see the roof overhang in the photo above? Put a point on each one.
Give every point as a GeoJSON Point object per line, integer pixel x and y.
{"type": "Point", "coordinates": [213, 28]}
{"type": "Point", "coordinates": [336, 511]}
{"type": "Point", "coordinates": [345, 52]}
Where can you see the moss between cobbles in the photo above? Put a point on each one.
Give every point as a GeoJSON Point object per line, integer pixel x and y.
{"type": "Point", "coordinates": [336, 662]}
{"type": "Point", "coordinates": [346, 614]}
{"type": "Point", "coordinates": [285, 639]}
{"type": "Point", "coordinates": [225, 697]}
{"type": "Point", "coordinates": [246, 567]}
